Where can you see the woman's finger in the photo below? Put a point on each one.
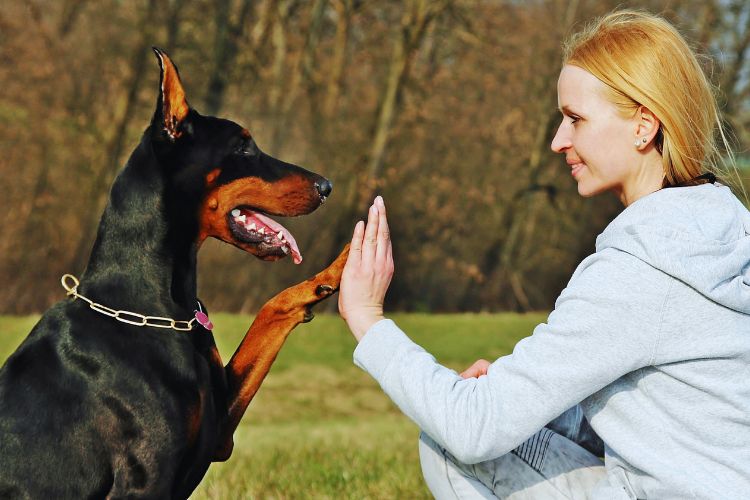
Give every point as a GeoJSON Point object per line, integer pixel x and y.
{"type": "Point", "coordinates": [384, 236]}
{"type": "Point", "coordinates": [389, 256]}
{"type": "Point", "coordinates": [355, 249]}
{"type": "Point", "coordinates": [370, 240]}
{"type": "Point", "coordinates": [389, 259]}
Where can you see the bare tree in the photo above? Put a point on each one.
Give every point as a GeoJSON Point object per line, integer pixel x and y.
{"type": "Point", "coordinates": [445, 107]}
{"type": "Point", "coordinates": [98, 195]}
{"type": "Point", "coordinates": [344, 10]}
{"type": "Point", "coordinates": [226, 37]}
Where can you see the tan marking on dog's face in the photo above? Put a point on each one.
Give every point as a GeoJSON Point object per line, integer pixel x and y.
{"type": "Point", "coordinates": [287, 197]}
{"type": "Point", "coordinates": [212, 176]}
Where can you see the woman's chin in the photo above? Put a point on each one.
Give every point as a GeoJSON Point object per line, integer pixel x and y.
{"type": "Point", "coordinates": [587, 191]}
{"type": "Point", "coordinates": [584, 190]}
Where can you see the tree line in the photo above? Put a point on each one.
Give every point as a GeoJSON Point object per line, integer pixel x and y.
{"type": "Point", "coordinates": [445, 107]}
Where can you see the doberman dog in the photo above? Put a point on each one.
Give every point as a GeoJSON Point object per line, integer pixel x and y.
{"type": "Point", "coordinates": [102, 401]}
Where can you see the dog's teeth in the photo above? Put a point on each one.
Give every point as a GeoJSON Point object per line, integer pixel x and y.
{"type": "Point", "coordinates": [235, 212]}
{"type": "Point", "coordinates": [285, 250]}
{"type": "Point", "coordinates": [251, 227]}
{"type": "Point", "coordinates": [280, 235]}
{"type": "Point", "coordinates": [242, 218]}
{"type": "Point", "coordinates": [262, 231]}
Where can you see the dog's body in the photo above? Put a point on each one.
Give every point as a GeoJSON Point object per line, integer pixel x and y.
{"type": "Point", "coordinates": [93, 407]}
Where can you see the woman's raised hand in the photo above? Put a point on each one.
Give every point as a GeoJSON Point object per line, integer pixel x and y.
{"type": "Point", "coordinates": [367, 273]}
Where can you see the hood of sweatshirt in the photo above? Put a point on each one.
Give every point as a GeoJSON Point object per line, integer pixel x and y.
{"type": "Point", "coordinates": [700, 235]}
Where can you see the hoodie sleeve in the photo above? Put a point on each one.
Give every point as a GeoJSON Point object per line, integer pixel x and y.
{"type": "Point", "coordinates": [605, 324]}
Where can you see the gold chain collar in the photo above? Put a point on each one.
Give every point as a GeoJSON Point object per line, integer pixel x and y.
{"type": "Point", "coordinates": [128, 317]}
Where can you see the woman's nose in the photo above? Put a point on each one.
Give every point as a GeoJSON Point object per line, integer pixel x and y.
{"type": "Point", "coordinates": [561, 141]}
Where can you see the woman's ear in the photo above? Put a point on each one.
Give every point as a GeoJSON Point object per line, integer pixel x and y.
{"type": "Point", "coordinates": [646, 127]}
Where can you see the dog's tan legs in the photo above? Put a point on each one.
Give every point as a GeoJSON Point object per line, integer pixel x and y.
{"type": "Point", "coordinates": [273, 324]}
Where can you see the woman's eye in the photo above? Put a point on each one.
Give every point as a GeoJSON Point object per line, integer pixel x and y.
{"type": "Point", "coordinates": [573, 118]}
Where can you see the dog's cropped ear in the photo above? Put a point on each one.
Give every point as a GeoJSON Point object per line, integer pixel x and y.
{"type": "Point", "coordinates": [171, 106]}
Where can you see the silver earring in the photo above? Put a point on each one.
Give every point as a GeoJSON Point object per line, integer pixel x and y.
{"type": "Point", "coordinates": [637, 143]}
{"type": "Point", "coordinates": [644, 140]}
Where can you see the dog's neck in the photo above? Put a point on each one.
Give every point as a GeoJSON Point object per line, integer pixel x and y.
{"type": "Point", "coordinates": [144, 257]}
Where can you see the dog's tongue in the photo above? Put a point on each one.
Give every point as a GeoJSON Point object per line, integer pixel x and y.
{"type": "Point", "coordinates": [296, 256]}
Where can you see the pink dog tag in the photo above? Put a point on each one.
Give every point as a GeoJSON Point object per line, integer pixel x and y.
{"type": "Point", "coordinates": [203, 320]}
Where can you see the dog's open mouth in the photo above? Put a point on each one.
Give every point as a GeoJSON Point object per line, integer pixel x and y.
{"type": "Point", "coordinates": [270, 237]}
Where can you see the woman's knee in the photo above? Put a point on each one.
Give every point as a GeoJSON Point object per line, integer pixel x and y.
{"type": "Point", "coordinates": [434, 467]}
{"type": "Point", "coordinates": [445, 477]}
{"type": "Point", "coordinates": [431, 455]}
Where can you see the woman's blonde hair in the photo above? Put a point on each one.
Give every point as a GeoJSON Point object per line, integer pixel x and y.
{"type": "Point", "coordinates": [644, 61]}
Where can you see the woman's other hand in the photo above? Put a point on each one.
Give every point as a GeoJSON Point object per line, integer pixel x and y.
{"type": "Point", "coordinates": [476, 370]}
{"type": "Point", "coordinates": [367, 273]}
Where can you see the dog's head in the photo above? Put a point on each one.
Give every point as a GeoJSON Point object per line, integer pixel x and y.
{"type": "Point", "coordinates": [238, 186]}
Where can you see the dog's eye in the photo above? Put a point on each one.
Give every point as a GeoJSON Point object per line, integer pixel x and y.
{"type": "Point", "coordinates": [247, 147]}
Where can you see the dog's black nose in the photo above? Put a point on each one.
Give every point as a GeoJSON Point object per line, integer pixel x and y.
{"type": "Point", "coordinates": [324, 187]}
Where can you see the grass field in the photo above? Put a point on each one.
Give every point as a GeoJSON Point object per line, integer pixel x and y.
{"type": "Point", "coordinates": [319, 426]}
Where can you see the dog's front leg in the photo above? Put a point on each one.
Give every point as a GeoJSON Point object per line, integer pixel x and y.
{"type": "Point", "coordinates": [257, 351]}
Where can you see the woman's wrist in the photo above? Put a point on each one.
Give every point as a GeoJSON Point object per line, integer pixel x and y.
{"type": "Point", "coordinates": [361, 323]}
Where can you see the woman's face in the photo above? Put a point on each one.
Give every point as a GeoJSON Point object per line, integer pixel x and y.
{"type": "Point", "coordinates": [597, 141]}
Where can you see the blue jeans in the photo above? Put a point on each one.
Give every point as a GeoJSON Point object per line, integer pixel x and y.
{"type": "Point", "coordinates": [561, 461]}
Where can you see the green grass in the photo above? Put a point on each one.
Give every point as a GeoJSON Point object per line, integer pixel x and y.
{"type": "Point", "coordinates": [319, 426]}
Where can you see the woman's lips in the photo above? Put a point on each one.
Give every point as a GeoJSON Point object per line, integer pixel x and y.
{"type": "Point", "coordinates": [577, 169]}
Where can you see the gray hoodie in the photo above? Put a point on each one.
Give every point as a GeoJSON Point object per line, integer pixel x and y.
{"type": "Point", "coordinates": [651, 336]}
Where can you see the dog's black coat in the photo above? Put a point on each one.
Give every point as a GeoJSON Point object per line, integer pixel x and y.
{"type": "Point", "coordinates": [91, 407]}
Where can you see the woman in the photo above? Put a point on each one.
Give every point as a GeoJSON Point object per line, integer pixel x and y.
{"type": "Point", "coordinates": [650, 341]}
